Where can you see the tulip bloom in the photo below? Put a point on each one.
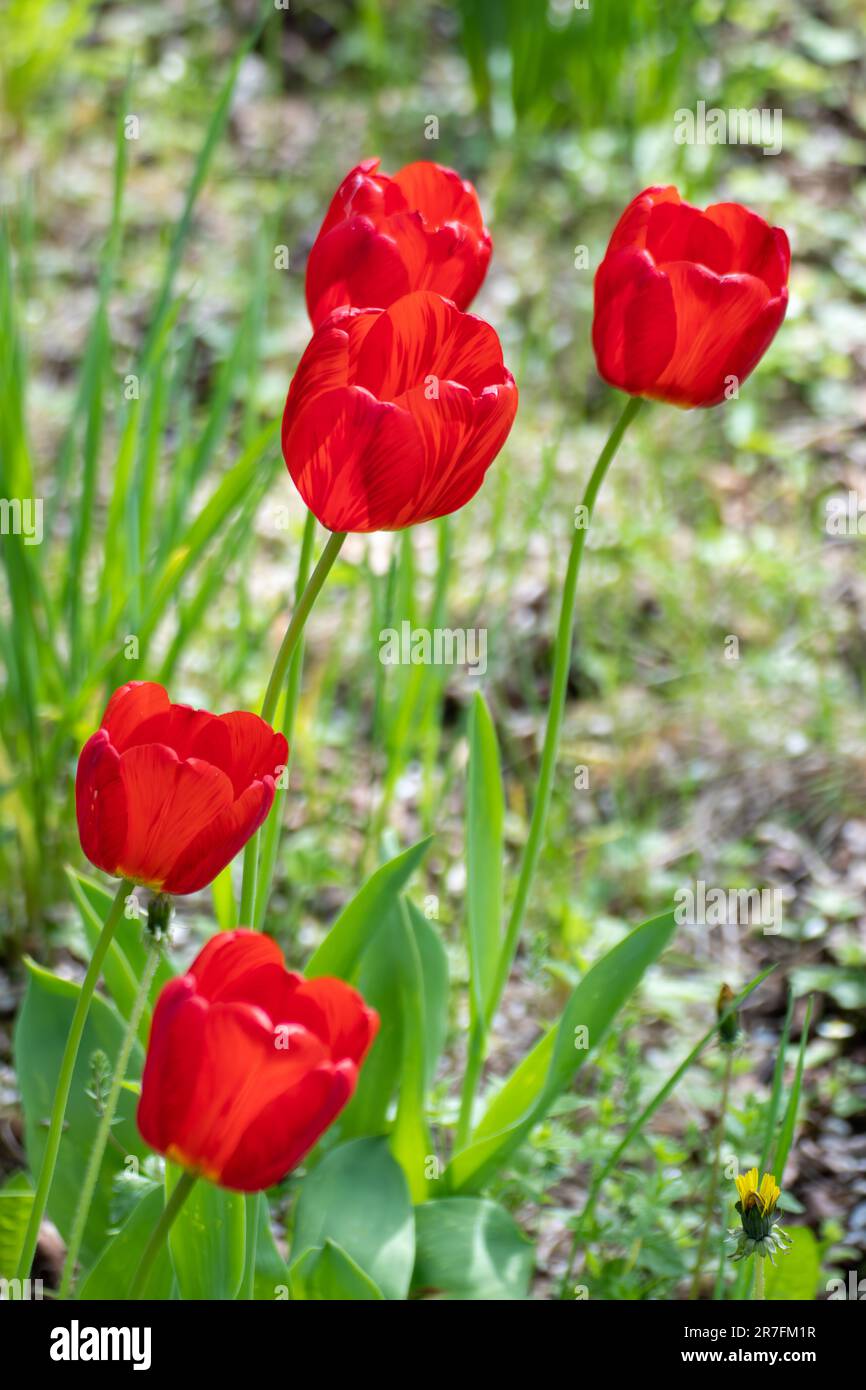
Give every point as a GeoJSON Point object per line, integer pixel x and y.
{"type": "Point", "coordinates": [167, 795]}
{"type": "Point", "coordinates": [687, 302]}
{"type": "Point", "coordinates": [384, 237]}
{"type": "Point", "coordinates": [248, 1063]}
{"type": "Point", "coordinates": [394, 415]}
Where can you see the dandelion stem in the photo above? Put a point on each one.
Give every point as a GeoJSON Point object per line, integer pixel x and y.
{"type": "Point", "coordinates": [709, 1212]}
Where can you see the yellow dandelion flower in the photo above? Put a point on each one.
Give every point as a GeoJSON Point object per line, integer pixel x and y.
{"type": "Point", "coordinates": [760, 1232]}
{"type": "Point", "coordinates": [752, 1194]}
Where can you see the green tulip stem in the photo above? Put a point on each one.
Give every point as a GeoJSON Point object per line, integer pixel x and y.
{"type": "Point", "coordinates": [559, 684]}
{"type": "Point", "coordinates": [303, 607]}
{"type": "Point", "coordinates": [158, 1236]}
{"type": "Point", "coordinates": [64, 1080]}
{"type": "Point", "coordinates": [94, 1163]}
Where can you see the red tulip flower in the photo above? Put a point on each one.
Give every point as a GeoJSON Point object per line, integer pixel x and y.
{"type": "Point", "coordinates": [687, 302]}
{"type": "Point", "coordinates": [167, 795]}
{"type": "Point", "coordinates": [248, 1063]}
{"type": "Point", "coordinates": [394, 415]}
{"type": "Point", "coordinates": [384, 237]}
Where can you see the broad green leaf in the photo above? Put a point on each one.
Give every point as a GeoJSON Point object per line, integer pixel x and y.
{"type": "Point", "coordinates": [410, 1139]}
{"type": "Point", "coordinates": [434, 969]}
{"type": "Point", "coordinates": [531, 1089]}
{"type": "Point", "coordinates": [40, 1039]}
{"type": "Point", "coordinates": [359, 921]}
{"type": "Point", "coordinates": [469, 1248]}
{"type": "Point", "coordinates": [358, 1198]}
{"type": "Point", "coordinates": [797, 1272]}
{"type": "Point", "coordinates": [110, 1277]}
{"type": "Point", "coordinates": [16, 1202]}
{"type": "Point", "coordinates": [485, 808]}
{"type": "Point", "coordinates": [207, 1240]}
{"type": "Point", "coordinates": [379, 982]}
{"type": "Point", "coordinates": [330, 1275]}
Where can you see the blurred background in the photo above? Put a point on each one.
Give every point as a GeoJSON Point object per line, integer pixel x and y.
{"type": "Point", "coordinates": [153, 252]}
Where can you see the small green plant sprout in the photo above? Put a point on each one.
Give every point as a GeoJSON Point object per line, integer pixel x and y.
{"type": "Point", "coordinates": [760, 1234]}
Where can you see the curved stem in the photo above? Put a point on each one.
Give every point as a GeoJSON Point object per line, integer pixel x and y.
{"type": "Point", "coordinates": [471, 1077]}
{"type": "Point", "coordinates": [94, 1163]}
{"type": "Point", "coordinates": [710, 1209]}
{"type": "Point", "coordinates": [275, 686]}
{"type": "Point", "coordinates": [302, 611]}
{"type": "Point", "coordinates": [559, 684]}
{"type": "Point", "coordinates": [64, 1080]}
{"type": "Point", "coordinates": [272, 828]}
{"type": "Point", "coordinates": [181, 1190]}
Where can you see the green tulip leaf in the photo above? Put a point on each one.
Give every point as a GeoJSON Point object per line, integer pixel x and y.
{"type": "Point", "coordinates": [330, 1275]}
{"type": "Point", "coordinates": [40, 1039]}
{"type": "Point", "coordinates": [207, 1240]}
{"type": "Point", "coordinates": [16, 1202]}
{"type": "Point", "coordinates": [116, 1266]}
{"type": "Point", "coordinates": [544, 1073]}
{"type": "Point", "coordinates": [469, 1248]}
{"type": "Point", "coordinates": [361, 919]}
{"type": "Point", "coordinates": [357, 1197]}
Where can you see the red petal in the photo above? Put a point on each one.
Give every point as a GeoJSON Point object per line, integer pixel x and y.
{"type": "Point", "coordinates": [354, 460]}
{"type": "Point", "coordinates": [288, 1127]}
{"type": "Point", "coordinates": [254, 750]}
{"type": "Point", "coordinates": [243, 1070]}
{"type": "Point", "coordinates": [630, 232]}
{"type": "Point", "coordinates": [337, 1014]}
{"type": "Point", "coordinates": [713, 316]}
{"type": "Point", "coordinates": [362, 191]}
{"type": "Point", "coordinates": [462, 435]}
{"type": "Point", "coordinates": [679, 232]}
{"type": "Point", "coordinates": [355, 264]}
{"type": "Point", "coordinates": [758, 249]}
{"type": "Point", "coordinates": [634, 325]}
{"type": "Point", "coordinates": [169, 803]}
{"type": "Point", "coordinates": [423, 336]}
{"type": "Point", "coordinates": [328, 363]}
{"type": "Point", "coordinates": [189, 732]}
{"type": "Point", "coordinates": [129, 707]}
{"type": "Point", "coordinates": [440, 195]}
{"type": "Point", "coordinates": [222, 837]}
{"type": "Point", "coordinates": [173, 1064]}
{"type": "Point", "coordinates": [246, 967]}
{"type": "Point", "coordinates": [100, 802]}
{"type": "Point", "coordinates": [449, 260]}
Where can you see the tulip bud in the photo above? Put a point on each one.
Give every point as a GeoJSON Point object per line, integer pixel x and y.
{"type": "Point", "coordinates": [729, 1024]}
